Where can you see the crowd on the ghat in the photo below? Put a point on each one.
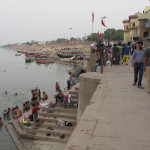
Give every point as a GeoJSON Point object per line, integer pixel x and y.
{"type": "Point", "coordinates": [119, 53]}
{"type": "Point", "coordinates": [36, 100]}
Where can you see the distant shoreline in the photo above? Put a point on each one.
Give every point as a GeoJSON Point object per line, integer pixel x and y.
{"type": "Point", "coordinates": [51, 49]}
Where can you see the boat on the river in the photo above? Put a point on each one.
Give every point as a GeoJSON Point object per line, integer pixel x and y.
{"type": "Point", "coordinates": [68, 53]}
{"type": "Point", "coordinates": [29, 59]}
{"type": "Point", "coordinates": [44, 60]}
{"type": "Point", "coordinates": [18, 54]}
{"type": "Point", "coordinates": [24, 52]}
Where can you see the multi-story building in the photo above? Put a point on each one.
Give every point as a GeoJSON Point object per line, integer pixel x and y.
{"type": "Point", "coordinates": [138, 27]}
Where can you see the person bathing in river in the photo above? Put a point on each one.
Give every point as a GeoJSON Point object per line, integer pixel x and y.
{"type": "Point", "coordinates": [18, 113]}
{"type": "Point", "coordinates": [57, 86]}
{"type": "Point", "coordinates": [45, 96]}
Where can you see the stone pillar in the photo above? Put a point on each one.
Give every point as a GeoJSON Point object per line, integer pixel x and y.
{"type": "Point", "coordinates": [88, 85]}
{"type": "Point", "coordinates": [91, 62]}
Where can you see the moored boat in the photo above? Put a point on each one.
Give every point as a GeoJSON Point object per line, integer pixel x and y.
{"type": "Point", "coordinates": [29, 59]}
{"type": "Point", "coordinates": [68, 53]}
{"type": "Point", "coordinates": [44, 60]}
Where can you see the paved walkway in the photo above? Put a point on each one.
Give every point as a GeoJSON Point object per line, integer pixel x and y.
{"type": "Point", "coordinates": [118, 117]}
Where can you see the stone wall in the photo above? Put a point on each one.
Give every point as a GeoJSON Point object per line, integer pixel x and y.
{"type": "Point", "coordinates": [88, 84]}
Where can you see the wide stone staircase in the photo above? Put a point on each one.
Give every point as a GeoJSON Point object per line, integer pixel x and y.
{"type": "Point", "coordinates": [47, 129]}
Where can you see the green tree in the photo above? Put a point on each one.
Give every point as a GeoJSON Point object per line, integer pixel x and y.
{"type": "Point", "coordinates": [60, 40]}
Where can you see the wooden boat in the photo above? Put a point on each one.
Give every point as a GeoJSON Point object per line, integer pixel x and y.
{"type": "Point", "coordinates": [29, 59]}
{"type": "Point", "coordinates": [67, 53]}
{"type": "Point", "coordinates": [41, 55]}
{"type": "Point", "coordinates": [44, 60]}
{"type": "Point", "coordinates": [24, 52]}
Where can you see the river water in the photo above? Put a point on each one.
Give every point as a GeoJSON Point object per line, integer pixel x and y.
{"type": "Point", "coordinates": [16, 76]}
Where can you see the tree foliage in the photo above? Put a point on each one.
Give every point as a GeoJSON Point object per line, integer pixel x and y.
{"type": "Point", "coordinates": [60, 40]}
{"type": "Point", "coordinates": [109, 34]}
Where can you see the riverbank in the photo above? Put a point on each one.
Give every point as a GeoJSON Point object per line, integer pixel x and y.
{"type": "Point", "coordinates": [52, 50]}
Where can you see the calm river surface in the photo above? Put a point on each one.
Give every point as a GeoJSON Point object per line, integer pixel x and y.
{"type": "Point", "coordinates": [17, 76]}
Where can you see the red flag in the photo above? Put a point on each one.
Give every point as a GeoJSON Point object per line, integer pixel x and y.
{"type": "Point", "coordinates": [102, 22]}
{"type": "Point", "coordinates": [92, 16]}
{"type": "Point", "coordinates": [99, 35]}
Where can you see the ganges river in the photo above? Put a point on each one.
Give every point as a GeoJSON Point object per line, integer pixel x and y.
{"type": "Point", "coordinates": [16, 76]}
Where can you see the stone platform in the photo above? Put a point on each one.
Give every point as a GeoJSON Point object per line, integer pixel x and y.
{"type": "Point", "coordinates": [27, 138]}
{"type": "Point", "coordinates": [118, 116]}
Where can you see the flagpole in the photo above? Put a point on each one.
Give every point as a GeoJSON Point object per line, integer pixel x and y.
{"type": "Point", "coordinates": [92, 21]}
{"type": "Point", "coordinates": [92, 28]}
{"type": "Point", "coordinates": [101, 26]}
{"type": "Point", "coordinates": [104, 28]}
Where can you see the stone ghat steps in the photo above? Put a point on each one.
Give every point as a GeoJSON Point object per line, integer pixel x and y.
{"type": "Point", "coordinates": [53, 125]}
{"type": "Point", "coordinates": [42, 136]}
{"type": "Point", "coordinates": [73, 92]}
{"type": "Point", "coordinates": [57, 115]}
{"type": "Point", "coordinates": [54, 120]}
{"type": "Point", "coordinates": [38, 136]}
{"type": "Point", "coordinates": [68, 106]}
{"type": "Point", "coordinates": [61, 110]}
{"type": "Point", "coordinates": [56, 131]}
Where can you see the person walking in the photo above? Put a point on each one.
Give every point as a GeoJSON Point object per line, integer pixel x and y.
{"type": "Point", "coordinates": [137, 60]}
{"type": "Point", "coordinates": [35, 110]}
{"type": "Point", "coordinates": [115, 54]}
{"type": "Point", "coordinates": [147, 67]}
{"type": "Point", "coordinates": [126, 53]}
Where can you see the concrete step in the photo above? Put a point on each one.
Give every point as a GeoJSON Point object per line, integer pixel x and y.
{"type": "Point", "coordinates": [58, 115]}
{"type": "Point", "coordinates": [53, 125]}
{"type": "Point", "coordinates": [68, 106]}
{"type": "Point", "coordinates": [56, 131]}
{"type": "Point", "coordinates": [73, 92]}
{"type": "Point", "coordinates": [42, 136]}
{"type": "Point", "coordinates": [61, 110]}
{"type": "Point", "coordinates": [52, 119]}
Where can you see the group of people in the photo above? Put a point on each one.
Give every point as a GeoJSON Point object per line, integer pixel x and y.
{"type": "Point", "coordinates": [120, 53]}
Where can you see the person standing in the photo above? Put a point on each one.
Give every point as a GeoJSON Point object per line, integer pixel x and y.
{"type": "Point", "coordinates": [93, 47]}
{"type": "Point", "coordinates": [147, 67]}
{"type": "Point", "coordinates": [126, 53]}
{"type": "Point", "coordinates": [115, 54]}
{"type": "Point", "coordinates": [137, 60]}
{"type": "Point", "coordinates": [69, 81]}
{"type": "Point", "coordinates": [119, 55]}
{"type": "Point", "coordinates": [35, 110]}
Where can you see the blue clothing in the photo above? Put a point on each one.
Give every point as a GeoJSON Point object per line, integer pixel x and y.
{"type": "Point", "coordinates": [138, 56]}
{"type": "Point", "coordinates": [95, 67]}
{"type": "Point", "coordinates": [127, 49]}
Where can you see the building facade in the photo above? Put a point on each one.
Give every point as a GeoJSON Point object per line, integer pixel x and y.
{"type": "Point", "coordinates": [138, 27]}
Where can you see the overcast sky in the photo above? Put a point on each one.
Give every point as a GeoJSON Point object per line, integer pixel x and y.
{"type": "Point", "coordinates": [26, 20]}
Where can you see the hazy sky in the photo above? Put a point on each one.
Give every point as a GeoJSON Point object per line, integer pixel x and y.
{"type": "Point", "coordinates": [26, 20]}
